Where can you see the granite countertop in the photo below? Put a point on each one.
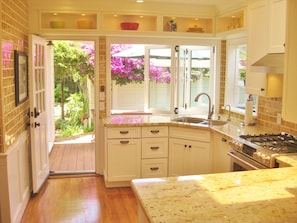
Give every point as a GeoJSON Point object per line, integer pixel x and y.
{"type": "Point", "coordinates": [254, 196]}
{"type": "Point", "coordinates": [231, 129]}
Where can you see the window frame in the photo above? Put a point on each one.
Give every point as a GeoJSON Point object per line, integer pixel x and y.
{"type": "Point", "coordinates": [230, 82]}
{"type": "Point", "coordinates": [169, 42]}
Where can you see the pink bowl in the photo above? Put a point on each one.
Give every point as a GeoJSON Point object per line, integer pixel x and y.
{"type": "Point", "coordinates": [129, 25]}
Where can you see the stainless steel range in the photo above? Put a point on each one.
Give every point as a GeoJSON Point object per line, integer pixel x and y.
{"type": "Point", "coordinates": [259, 151]}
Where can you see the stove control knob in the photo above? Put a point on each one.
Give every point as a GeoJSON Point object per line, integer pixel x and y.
{"type": "Point", "coordinates": [257, 156]}
{"type": "Point", "coordinates": [267, 160]}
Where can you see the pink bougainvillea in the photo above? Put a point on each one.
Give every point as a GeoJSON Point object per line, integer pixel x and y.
{"type": "Point", "coordinates": [125, 70]}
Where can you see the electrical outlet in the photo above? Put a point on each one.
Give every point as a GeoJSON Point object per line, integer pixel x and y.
{"type": "Point", "coordinates": [279, 118]}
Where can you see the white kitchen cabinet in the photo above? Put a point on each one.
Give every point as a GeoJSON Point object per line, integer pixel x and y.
{"type": "Point", "coordinates": [266, 28]}
{"type": "Point", "coordinates": [123, 156]}
{"type": "Point", "coordinates": [277, 26]}
{"type": "Point", "coordinates": [220, 148]}
{"type": "Point", "coordinates": [188, 157]}
{"type": "Point", "coordinates": [154, 151]}
{"type": "Point", "coordinates": [264, 84]}
{"type": "Point", "coordinates": [189, 151]}
{"type": "Point", "coordinates": [290, 78]}
{"type": "Point", "coordinates": [266, 34]}
{"type": "Point", "coordinates": [257, 30]}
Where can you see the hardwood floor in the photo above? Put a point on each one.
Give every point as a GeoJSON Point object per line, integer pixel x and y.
{"type": "Point", "coordinates": [72, 157]}
{"type": "Point", "coordinates": [81, 200]}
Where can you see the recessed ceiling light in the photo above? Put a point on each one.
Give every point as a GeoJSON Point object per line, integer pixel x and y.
{"type": "Point", "coordinates": [139, 1]}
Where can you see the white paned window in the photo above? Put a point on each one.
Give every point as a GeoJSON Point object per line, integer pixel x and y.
{"type": "Point", "coordinates": [235, 94]}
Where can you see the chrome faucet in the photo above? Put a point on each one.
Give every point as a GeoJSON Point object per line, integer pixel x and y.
{"type": "Point", "coordinates": [210, 108]}
{"type": "Point", "coordinates": [229, 111]}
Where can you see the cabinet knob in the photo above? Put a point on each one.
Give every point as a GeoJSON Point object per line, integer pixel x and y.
{"type": "Point", "coordinates": [262, 89]}
{"type": "Point", "coordinates": [124, 132]}
{"type": "Point", "coordinates": [155, 131]}
{"type": "Point", "coordinates": [190, 146]}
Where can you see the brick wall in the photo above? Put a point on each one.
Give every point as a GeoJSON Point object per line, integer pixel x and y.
{"type": "Point", "coordinates": [14, 36]}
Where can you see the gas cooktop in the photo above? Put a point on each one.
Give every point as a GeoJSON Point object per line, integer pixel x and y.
{"type": "Point", "coordinates": [279, 143]}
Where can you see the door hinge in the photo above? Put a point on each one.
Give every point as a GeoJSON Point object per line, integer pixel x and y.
{"type": "Point", "coordinates": [176, 48]}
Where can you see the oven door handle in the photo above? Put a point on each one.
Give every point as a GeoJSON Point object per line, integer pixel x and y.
{"type": "Point", "coordinates": [242, 161]}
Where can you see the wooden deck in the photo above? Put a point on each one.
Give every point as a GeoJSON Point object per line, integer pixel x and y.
{"type": "Point", "coordinates": [72, 157]}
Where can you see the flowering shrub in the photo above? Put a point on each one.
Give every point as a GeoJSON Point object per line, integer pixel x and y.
{"type": "Point", "coordinates": [125, 70]}
{"type": "Point", "coordinates": [159, 75]}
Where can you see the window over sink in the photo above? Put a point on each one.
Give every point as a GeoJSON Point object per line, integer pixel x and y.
{"type": "Point", "coordinates": [157, 78]}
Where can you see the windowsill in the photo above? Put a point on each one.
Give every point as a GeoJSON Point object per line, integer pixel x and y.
{"type": "Point", "coordinates": [129, 112]}
{"type": "Point", "coordinates": [240, 111]}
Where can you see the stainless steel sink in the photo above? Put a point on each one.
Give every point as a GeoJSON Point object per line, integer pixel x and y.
{"type": "Point", "coordinates": [188, 119]}
{"type": "Point", "coordinates": [200, 121]}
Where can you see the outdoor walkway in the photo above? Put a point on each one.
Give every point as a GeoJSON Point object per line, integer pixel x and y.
{"type": "Point", "coordinates": [75, 155]}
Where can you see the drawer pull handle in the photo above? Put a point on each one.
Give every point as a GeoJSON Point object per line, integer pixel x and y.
{"type": "Point", "coordinates": [124, 142]}
{"type": "Point", "coordinates": [155, 131]}
{"type": "Point", "coordinates": [154, 168]}
{"type": "Point", "coordinates": [155, 147]}
{"type": "Point", "coordinates": [124, 132]}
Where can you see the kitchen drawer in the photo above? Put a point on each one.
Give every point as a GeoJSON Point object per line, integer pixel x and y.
{"type": "Point", "coordinates": [190, 134]}
{"type": "Point", "coordinates": [155, 131]}
{"type": "Point", "coordinates": [154, 168]}
{"type": "Point", "coordinates": [154, 147]}
{"type": "Point", "coordinates": [119, 133]}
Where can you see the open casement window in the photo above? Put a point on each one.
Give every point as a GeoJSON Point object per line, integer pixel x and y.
{"type": "Point", "coordinates": [142, 78]}
{"type": "Point", "coordinates": [195, 75]}
{"type": "Point", "coordinates": [159, 78]}
{"type": "Point", "coordinates": [235, 94]}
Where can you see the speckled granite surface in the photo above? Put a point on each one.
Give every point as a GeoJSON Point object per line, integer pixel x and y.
{"type": "Point", "coordinates": [257, 196]}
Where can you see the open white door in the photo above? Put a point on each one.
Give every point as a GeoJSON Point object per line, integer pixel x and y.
{"type": "Point", "coordinates": [38, 116]}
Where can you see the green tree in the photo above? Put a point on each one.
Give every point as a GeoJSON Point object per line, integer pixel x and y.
{"type": "Point", "coordinates": [72, 62]}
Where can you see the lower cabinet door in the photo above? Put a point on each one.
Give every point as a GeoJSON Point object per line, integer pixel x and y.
{"type": "Point", "coordinates": [154, 168]}
{"type": "Point", "coordinates": [188, 157]}
{"type": "Point", "coordinates": [123, 159]}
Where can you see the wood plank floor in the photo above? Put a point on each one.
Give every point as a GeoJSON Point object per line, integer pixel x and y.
{"type": "Point", "coordinates": [81, 200]}
{"type": "Point", "coordinates": [72, 157]}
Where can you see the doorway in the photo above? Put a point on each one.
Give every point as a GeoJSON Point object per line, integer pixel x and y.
{"type": "Point", "coordinates": [73, 147]}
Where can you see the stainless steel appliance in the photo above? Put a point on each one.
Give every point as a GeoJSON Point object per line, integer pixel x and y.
{"type": "Point", "coordinates": [251, 152]}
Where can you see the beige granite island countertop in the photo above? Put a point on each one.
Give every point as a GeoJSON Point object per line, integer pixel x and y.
{"type": "Point", "coordinates": [257, 196]}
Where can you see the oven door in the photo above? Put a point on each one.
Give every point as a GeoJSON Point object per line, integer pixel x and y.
{"type": "Point", "coordinates": [241, 162]}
